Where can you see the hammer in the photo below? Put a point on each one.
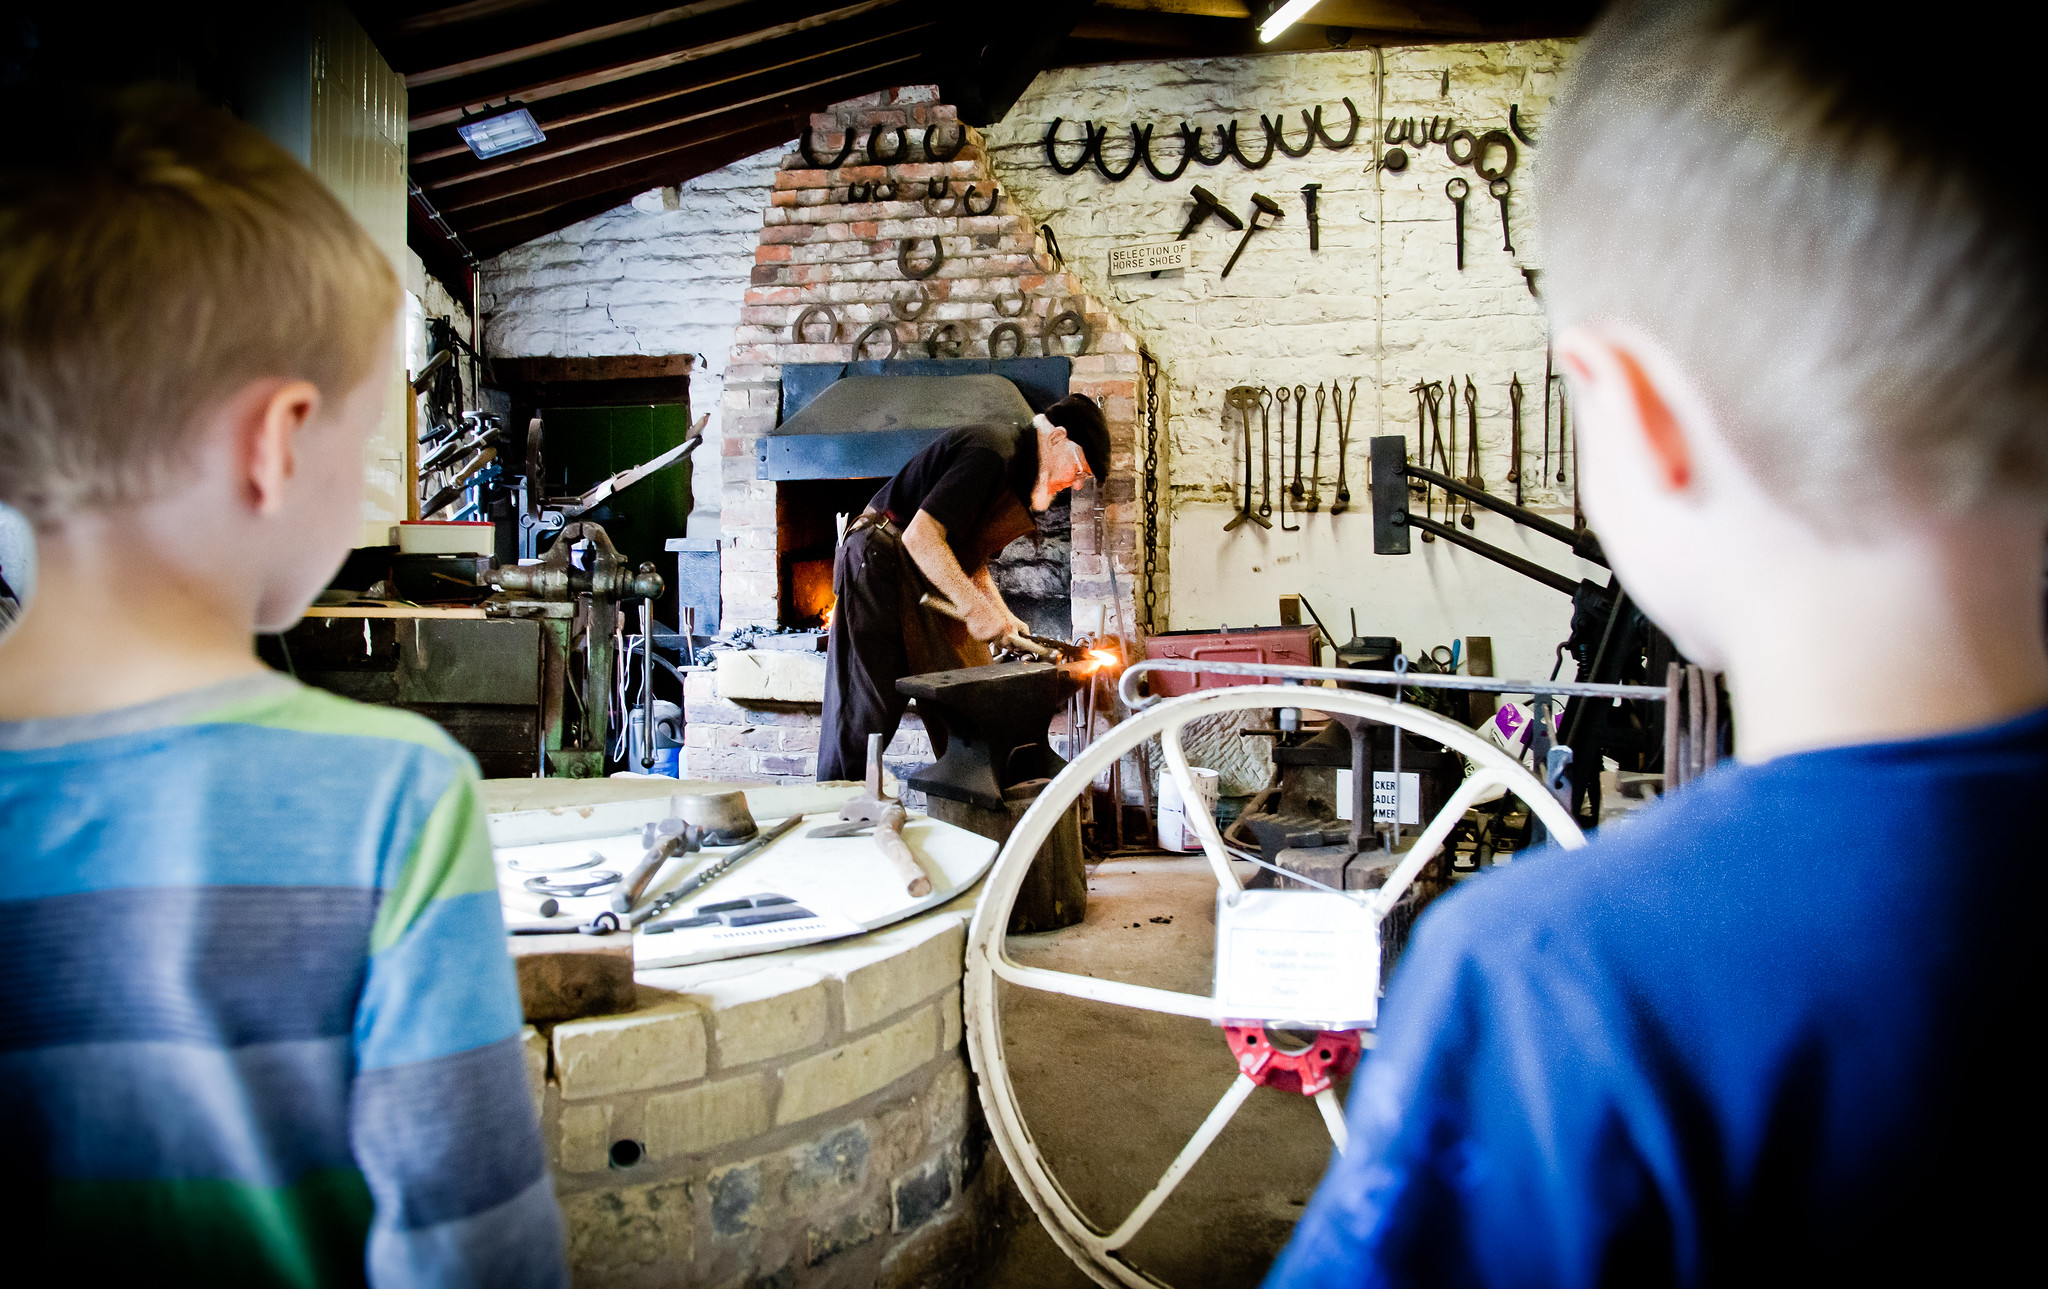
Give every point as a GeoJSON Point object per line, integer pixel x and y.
{"type": "Point", "coordinates": [1262, 205]}
{"type": "Point", "coordinates": [1207, 204]}
{"type": "Point", "coordinates": [873, 810]}
{"type": "Point", "coordinates": [1009, 640]}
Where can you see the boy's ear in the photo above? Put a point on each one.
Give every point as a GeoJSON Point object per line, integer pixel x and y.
{"type": "Point", "coordinates": [275, 417]}
{"type": "Point", "coordinates": [1610, 372]}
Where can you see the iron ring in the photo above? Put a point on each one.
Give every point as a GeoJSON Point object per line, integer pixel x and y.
{"type": "Point", "coordinates": [1010, 329]}
{"type": "Point", "coordinates": [906, 246]}
{"type": "Point", "coordinates": [860, 342]}
{"type": "Point", "coordinates": [1066, 323]}
{"type": "Point", "coordinates": [904, 308]}
{"type": "Point", "coordinates": [946, 341]}
{"type": "Point", "coordinates": [1486, 144]}
{"type": "Point", "coordinates": [875, 157]}
{"type": "Point", "coordinates": [1470, 154]}
{"type": "Point", "coordinates": [796, 333]}
{"type": "Point", "coordinates": [933, 154]}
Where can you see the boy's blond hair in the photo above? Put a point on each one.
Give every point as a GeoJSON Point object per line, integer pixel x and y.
{"type": "Point", "coordinates": [1854, 277]}
{"type": "Point", "coordinates": [156, 255]}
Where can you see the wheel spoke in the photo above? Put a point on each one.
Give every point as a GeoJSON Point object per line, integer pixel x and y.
{"type": "Point", "coordinates": [1194, 809]}
{"type": "Point", "coordinates": [1142, 997]}
{"type": "Point", "coordinates": [1333, 1118]}
{"type": "Point", "coordinates": [1182, 1164]}
{"type": "Point", "coordinates": [1431, 840]}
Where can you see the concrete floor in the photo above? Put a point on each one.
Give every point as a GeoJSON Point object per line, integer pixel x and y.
{"type": "Point", "coordinates": [1111, 1095]}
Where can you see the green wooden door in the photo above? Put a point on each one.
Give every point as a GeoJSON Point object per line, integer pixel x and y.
{"type": "Point", "coordinates": [586, 445]}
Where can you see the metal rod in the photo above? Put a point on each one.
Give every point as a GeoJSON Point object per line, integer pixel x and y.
{"type": "Point", "coordinates": [1674, 773]}
{"type": "Point", "coordinates": [1583, 545]}
{"type": "Point", "coordinates": [647, 686]}
{"type": "Point", "coordinates": [1363, 676]}
{"type": "Point", "coordinates": [1527, 568]}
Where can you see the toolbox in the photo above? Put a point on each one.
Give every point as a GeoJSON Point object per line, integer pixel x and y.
{"type": "Point", "coordinates": [1284, 646]}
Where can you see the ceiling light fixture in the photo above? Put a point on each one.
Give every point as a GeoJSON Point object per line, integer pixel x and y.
{"type": "Point", "coordinates": [1282, 18]}
{"type": "Point", "coordinates": [496, 135]}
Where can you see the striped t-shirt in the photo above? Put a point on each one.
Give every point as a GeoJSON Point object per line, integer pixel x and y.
{"type": "Point", "coordinates": [257, 1021]}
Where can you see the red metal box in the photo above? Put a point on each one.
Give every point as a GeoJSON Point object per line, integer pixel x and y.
{"type": "Point", "coordinates": [1287, 646]}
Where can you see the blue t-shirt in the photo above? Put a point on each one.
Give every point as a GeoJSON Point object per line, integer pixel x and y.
{"type": "Point", "coordinates": [1776, 1029]}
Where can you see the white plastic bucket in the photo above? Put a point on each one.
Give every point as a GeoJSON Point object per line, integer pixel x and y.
{"type": "Point", "coordinates": [1175, 832]}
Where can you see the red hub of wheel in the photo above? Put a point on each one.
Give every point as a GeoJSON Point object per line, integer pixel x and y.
{"type": "Point", "coordinates": [1332, 1055]}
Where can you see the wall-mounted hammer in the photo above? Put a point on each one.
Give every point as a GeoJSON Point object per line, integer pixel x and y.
{"type": "Point", "coordinates": [1207, 205]}
{"type": "Point", "coordinates": [1262, 205]}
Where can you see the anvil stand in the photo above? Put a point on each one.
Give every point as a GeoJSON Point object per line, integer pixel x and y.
{"type": "Point", "coordinates": [994, 721]}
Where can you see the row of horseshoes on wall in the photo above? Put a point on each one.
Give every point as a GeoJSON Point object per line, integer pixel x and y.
{"type": "Point", "coordinates": [949, 339]}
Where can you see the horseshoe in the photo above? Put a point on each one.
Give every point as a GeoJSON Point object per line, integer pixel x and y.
{"type": "Point", "coordinates": [876, 191]}
{"type": "Point", "coordinates": [1398, 130]}
{"type": "Point", "coordinates": [1087, 147]}
{"type": "Point", "coordinates": [933, 154]}
{"type": "Point", "coordinates": [937, 188]}
{"type": "Point", "coordinates": [1349, 138]}
{"type": "Point", "coordinates": [860, 193]}
{"type": "Point", "coordinates": [1010, 329]}
{"type": "Point", "coordinates": [1276, 134]}
{"type": "Point", "coordinates": [904, 310]}
{"type": "Point", "coordinates": [1486, 144]}
{"type": "Point", "coordinates": [860, 342]}
{"type": "Point", "coordinates": [875, 157]}
{"type": "Point", "coordinates": [572, 887]}
{"type": "Point", "coordinates": [1067, 323]}
{"type": "Point", "coordinates": [796, 333]}
{"type": "Point", "coordinates": [1515, 124]}
{"type": "Point", "coordinates": [1017, 312]}
{"type": "Point", "coordinates": [1434, 137]}
{"type": "Point", "coordinates": [967, 200]}
{"type": "Point", "coordinates": [903, 250]}
{"type": "Point", "coordinates": [1102, 164]}
{"type": "Point", "coordinates": [946, 341]}
{"type": "Point", "coordinates": [1237, 150]}
{"type": "Point", "coordinates": [1470, 153]}
{"type": "Point", "coordinates": [1187, 155]}
{"type": "Point", "coordinates": [803, 145]}
{"type": "Point", "coordinates": [1193, 142]}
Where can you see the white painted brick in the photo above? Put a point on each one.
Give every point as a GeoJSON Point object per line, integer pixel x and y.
{"type": "Point", "coordinates": [610, 1054]}
{"type": "Point", "coordinates": [766, 1014]}
{"type": "Point", "coordinates": [950, 1020]}
{"type": "Point", "coordinates": [848, 1073]}
{"type": "Point", "coordinates": [584, 1138]}
{"type": "Point", "coordinates": [535, 1046]}
{"type": "Point", "coordinates": [705, 1117]}
{"type": "Point", "coordinates": [932, 958]}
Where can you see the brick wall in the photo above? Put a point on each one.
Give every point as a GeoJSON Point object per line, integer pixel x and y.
{"type": "Point", "coordinates": [662, 275]}
{"type": "Point", "coordinates": [796, 1119]}
{"type": "Point", "coordinates": [819, 248]}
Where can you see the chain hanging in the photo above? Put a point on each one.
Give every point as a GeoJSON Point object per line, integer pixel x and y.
{"type": "Point", "coordinates": [1150, 535]}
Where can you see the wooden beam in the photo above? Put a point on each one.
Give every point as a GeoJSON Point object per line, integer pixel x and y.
{"type": "Point", "coordinates": [616, 60]}
{"type": "Point", "coordinates": [662, 91]}
{"type": "Point", "coordinates": [492, 234]}
{"type": "Point", "coordinates": [615, 134]}
{"type": "Point", "coordinates": [465, 193]}
{"type": "Point", "coordinates": [533, 43]}
{"type": "Point", "coordinates": [997, 53]}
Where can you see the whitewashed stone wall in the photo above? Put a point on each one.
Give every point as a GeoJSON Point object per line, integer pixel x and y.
{"type": "Point", "coordinates": [1383, 302]}
{"type": "Point", "coordinates": [666, 279]}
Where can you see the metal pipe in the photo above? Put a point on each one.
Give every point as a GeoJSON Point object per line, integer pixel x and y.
{"type": "Point", "coordinates": [1583, 545]}
{"type": "Point", "coordinates": [647, 686]}
{"type": "Point", "coordinates": [1362, 676]}
{"type": "Point", "coordinates": [1527, 568]}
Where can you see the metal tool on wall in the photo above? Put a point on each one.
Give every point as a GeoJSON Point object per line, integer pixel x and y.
{"type": "Point", "coordinates": [1308, 200]}
{"type": "Point", "coordinates": [1457, 189]}
{"type": "Point", "coordinates": [1244, 400]}
{"type": "Point", "coordinates": [1515, 434]}
{"type": "Point", "coordinates": [1295, 489]}
{"type": "Point", "coordinates": [1343, 415]}
{"type": "Point", "coordinates": [1315, 463]}
{"type": "Point", "coordinates": [1472, 472]}
{"type": "Point", "coordinates": [1261, 205]}
{"type": "Point", "coordinates": [1500, 189]}
{"type": "Point", "coordinates": [1266, 448]}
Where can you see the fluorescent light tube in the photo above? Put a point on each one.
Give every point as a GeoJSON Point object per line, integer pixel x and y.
{"type": "Point", "coordinates": [1284, 17]}
{"type": "Point", "coordinates": [505, 132]}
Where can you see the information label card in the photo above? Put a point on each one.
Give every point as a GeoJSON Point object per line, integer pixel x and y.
{"type": "Point", "coordinates": [1306, 956]}
{"type": "Point", "coordinates": [1152, 257]}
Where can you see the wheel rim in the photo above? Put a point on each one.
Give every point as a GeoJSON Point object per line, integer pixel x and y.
{"type": "Point", "coordinates": [1093, 1249]}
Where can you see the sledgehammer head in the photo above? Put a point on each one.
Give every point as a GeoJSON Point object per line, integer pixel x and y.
{"type": "Point", "coordinates": [1207, 204]}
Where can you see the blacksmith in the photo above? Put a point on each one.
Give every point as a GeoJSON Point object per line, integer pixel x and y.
{"type": "Point", "coordinates": [934, 528]}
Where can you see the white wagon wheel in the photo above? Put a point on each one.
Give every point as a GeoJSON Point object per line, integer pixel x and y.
{"type": "Point", "coordinates": [1095, 1250]}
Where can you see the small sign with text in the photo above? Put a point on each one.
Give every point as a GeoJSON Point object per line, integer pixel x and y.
{"type": "Point", "coordinates": [1152, 257]}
